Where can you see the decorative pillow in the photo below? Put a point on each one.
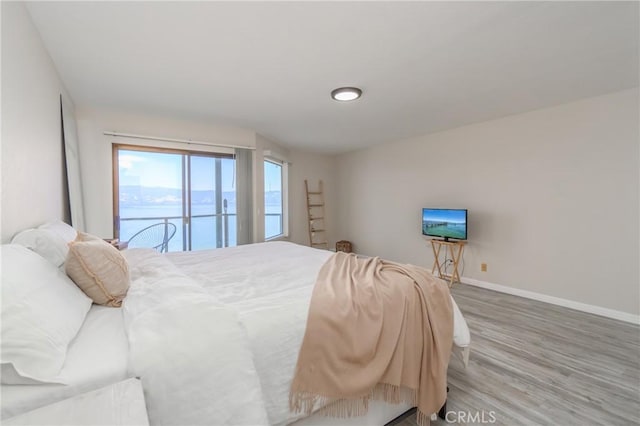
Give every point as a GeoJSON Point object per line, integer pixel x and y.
{"type": "Point", "coordinates": [65, 231]}
{"type": "Point", "coordinates": [99, 269]}
{"type": "Point", "coordinates": [46, 243]}
{"type": "Point", "coordinates": [42, 311]}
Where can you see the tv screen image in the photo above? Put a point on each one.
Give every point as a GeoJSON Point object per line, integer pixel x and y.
{"type": "Point", "coordinates": [445, 223]}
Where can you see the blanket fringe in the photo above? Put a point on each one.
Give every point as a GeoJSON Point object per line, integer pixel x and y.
{"type": "Point", "coordinates": [304, 402]}
{"type": "Point", "coordinates": [422, 419]}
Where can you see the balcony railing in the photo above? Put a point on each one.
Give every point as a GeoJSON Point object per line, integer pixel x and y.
{"type": "Point", "coordinates": [186, 238]}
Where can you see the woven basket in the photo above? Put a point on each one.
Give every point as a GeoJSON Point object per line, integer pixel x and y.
{"type": "Point", "coordinates": [344, 246]}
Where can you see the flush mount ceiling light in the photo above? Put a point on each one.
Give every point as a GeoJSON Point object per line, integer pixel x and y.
{"type": "Point", "coordinates": [345, 94]}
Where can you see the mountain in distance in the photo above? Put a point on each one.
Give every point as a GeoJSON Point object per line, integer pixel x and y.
{"type": "Point", "coordinates": [136, 195]}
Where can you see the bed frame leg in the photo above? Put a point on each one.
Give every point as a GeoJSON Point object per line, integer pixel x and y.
{"type": "Point", "coordinates": [443, 411]}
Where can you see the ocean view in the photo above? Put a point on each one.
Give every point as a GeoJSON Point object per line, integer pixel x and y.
{"type": "Point", "coordinates": [203, 229]}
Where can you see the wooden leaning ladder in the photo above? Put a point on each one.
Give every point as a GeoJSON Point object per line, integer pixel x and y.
{"type": "Point", "coordinates": [315, 214]}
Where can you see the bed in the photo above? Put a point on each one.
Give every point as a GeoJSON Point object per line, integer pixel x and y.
{"type": "Point", "coordinates": [213, 335]}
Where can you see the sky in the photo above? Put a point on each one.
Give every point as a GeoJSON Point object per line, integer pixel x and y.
{"type": "Point", "coordinates": [152, 169]}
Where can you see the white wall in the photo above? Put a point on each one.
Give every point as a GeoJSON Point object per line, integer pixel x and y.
{"type": "Point", "coordinates": [33, 183]}
{"type": "Point", "coordinates": [313, 167]}
{"type": "Point", "coordinates": [553, 199]}
{"type": "Point", "coordinates": [302, 165]}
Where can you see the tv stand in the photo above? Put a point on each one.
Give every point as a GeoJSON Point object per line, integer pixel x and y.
{"type": "Point", "coordinates": [455, 249]}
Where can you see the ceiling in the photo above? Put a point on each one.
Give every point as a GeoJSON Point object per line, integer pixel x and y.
{"type": "Point", "coordinates": [270, 66]}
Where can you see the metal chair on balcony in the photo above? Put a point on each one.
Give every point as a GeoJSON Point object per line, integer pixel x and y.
{"type": "Point", "coordinates": [156, 236]}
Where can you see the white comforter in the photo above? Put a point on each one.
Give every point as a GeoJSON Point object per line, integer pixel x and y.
{"type": "Point", "coordinates": [191, 353]}
{"type": "Point", "coordinates": [269, 285]}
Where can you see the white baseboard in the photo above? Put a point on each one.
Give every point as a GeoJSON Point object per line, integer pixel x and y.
{"type": "Point", "coordinates": [592, 309]}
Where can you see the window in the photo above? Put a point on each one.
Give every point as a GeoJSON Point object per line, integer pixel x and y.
{"type": "Point", "coordinates": [192, 190]}
{"type": "Point", "coordinates": [275, 199]}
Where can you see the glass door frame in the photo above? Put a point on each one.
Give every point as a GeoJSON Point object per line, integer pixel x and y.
{"type": "Point", "coordinates": [186, 186]}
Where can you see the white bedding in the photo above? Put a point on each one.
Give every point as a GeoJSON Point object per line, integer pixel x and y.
{"type": "Point", "coordinates": [97, 357]}
{"type": "Point", "coordinates": [270, 284]}
{"type": "Point", "coordinates": [190, 352]}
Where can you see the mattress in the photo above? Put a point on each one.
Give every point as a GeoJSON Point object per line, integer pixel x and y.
{"type": "Point", "coordinates": [97, 357]}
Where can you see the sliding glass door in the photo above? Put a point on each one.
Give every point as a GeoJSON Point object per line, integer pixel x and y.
{"type": "Point", "coordinates": [157, 191]}
{"type": "Point", "coordinates": [212, 204]}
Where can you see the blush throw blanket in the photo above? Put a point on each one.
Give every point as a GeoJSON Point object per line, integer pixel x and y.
{"type": "Point", "coordinates": [375, 330]}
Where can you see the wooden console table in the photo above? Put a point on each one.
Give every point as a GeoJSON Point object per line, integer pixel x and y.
{"type": "Point", "coordinates": [455, 249]}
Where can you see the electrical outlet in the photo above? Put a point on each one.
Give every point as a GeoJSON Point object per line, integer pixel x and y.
{"type": "Point", "coordinates": [483, 267]}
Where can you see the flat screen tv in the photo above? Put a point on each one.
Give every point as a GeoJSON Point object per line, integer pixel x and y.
{"type": "Point", "coordinates": [445, 223]}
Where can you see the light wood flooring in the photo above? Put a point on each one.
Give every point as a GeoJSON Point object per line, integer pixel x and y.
{"type": "Point", "coordinates": [536, 363]}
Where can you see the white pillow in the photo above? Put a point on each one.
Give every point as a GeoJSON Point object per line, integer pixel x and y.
{"type": "Point", "coordinates": [46, 243]}
{"type": "Point", "coordinates": [42, 311]}
{"type": "Point", "coordinates": [65, 231]}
